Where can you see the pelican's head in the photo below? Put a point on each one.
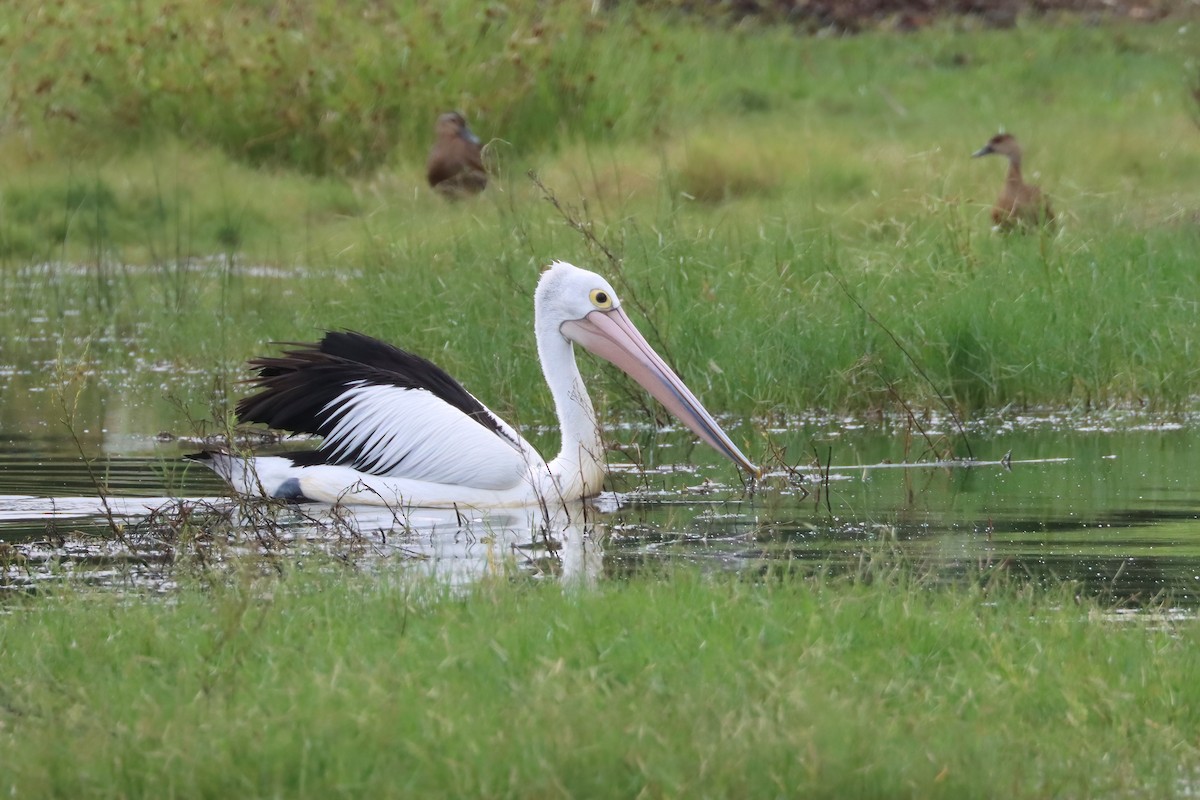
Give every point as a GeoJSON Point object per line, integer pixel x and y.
{"type": "Point", "coordinates": [583, 308]}
{"type": "Point", "coordinates": [566, 292]}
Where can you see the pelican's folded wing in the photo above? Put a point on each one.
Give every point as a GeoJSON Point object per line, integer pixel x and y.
{"type": "Point", "coordinates": [384, 411]}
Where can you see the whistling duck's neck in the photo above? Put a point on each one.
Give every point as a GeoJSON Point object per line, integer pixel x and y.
{"type": "Point", "coordinates": [1014, 169]}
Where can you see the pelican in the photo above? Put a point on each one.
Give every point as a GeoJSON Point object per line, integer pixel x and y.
{"type": "Point", "coordinates": [399, 431]}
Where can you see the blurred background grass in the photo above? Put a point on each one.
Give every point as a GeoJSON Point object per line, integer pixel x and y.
{"type": "Point", "coordinates": [180, 184]}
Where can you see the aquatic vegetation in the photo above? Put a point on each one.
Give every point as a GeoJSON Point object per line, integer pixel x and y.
{"type": "Point", "coordinates": [749, 208]}
{"type": "Point", "coordinates": [800, 221]}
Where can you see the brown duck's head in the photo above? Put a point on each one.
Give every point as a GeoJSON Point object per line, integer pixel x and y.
{"type": "Point", "coordinates": [452, 125]}
{"type": "Point", "coordinates": [1002, 144]}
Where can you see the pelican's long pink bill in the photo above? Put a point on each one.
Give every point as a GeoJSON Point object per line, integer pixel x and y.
{"type": "Point", "coordinates": [612, 336]}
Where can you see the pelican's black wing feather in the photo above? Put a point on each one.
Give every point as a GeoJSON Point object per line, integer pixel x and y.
{"type": "Point", "coordinates": [300, 388]}
{"type": "Point", "coordinates": [383, 411]}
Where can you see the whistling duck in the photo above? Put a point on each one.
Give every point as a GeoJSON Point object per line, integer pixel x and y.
{"type": "Point", "coordinates": [1019, 203]}
{"type": "Point", "coordinates": [455, 167]}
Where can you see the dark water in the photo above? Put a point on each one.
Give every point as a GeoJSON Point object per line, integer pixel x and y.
{"type": "Point", "coordinates": [1111, 501]}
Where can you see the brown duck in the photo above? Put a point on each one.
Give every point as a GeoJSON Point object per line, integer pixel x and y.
{"type": "Point", "coordinates": [455, 167]}
{"type": "Point", "coordinates": [1020, 204]}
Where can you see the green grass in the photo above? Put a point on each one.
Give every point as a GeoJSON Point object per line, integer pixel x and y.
{"type": "Point", "coordinates": [347, 685]}
{"type": "Point", "coordinates": [749, 204]}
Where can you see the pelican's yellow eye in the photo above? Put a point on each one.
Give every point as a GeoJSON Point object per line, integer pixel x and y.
{"type": "Point", "coordinates": [601, 298]}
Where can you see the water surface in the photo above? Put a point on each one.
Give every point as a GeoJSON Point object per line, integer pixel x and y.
{"type": "Point", "coordinates": [1109, 500]}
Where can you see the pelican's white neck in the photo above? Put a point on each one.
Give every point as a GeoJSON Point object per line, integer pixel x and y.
{"type": "Point", "coordinates": [578, 469]}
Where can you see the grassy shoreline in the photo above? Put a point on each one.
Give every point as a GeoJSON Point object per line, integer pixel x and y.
{"type": "Point", "coordinates": [343, 684]}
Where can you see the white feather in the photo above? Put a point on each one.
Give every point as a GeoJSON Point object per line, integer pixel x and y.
{"type": "Point", "coordinates": [410, 433]}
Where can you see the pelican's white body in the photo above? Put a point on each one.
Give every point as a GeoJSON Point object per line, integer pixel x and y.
{"type": "Point", "coordinates": [330, 483]}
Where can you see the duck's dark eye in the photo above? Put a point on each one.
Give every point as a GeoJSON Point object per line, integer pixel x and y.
{"type": "Point", "coordinates": [601, 298]}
